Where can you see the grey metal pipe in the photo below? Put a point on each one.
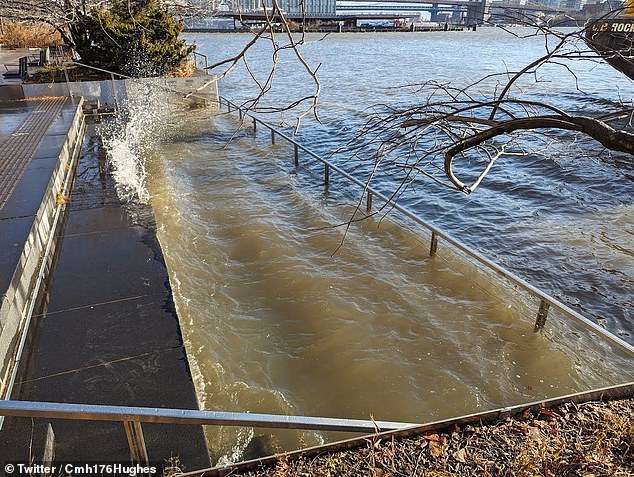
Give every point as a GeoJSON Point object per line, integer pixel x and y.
{"type": "Point", "coordinates": [92, 412]}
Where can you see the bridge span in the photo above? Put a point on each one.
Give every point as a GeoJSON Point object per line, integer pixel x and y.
{"type": "Point", "coordinates": [469, 12]}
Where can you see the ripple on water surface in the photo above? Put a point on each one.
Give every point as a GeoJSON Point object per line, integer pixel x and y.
{"type": "Point", "coordinates": [274, 322]}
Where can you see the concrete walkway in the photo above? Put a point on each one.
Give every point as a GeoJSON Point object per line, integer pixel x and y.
{"type": "Point", "coordinates": [105, 330]}
{"type": "Point", "coordinates": [9, 62]}
{"type": "Point", "coordinates": [16, 152]}
{"type": "Point", "coordinates": [108, 332]}
{"type": "Point", "coordinates": [32, 135]}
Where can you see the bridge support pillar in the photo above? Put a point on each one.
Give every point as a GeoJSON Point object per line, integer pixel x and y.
{"type": "Point", "coordinates": [475, 13]}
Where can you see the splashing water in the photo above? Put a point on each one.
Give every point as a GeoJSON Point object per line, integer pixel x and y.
{"type": "Point", "coordinates": [128, 138]}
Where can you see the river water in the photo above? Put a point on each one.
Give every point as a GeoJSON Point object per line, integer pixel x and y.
{"type": "Point", "coordinates": [276, 322]}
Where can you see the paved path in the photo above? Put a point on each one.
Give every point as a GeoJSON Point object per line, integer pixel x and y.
{"type": "Point", "coordinates": [9, 62]}
{"type": "Point", "coordinates": [107, 332]}
{"type": "Point", "coordinates": [18, 149]}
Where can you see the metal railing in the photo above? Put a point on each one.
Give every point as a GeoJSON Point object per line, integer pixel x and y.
{"type": "Point", "coordinates": [133, 417]}
{"type": "Point", "coordinates": [546, 301]}
{"type": "Point", "coordinates": [140, 80]}
{"type": "Point", "coordinates": [112, 80]}
{"type": "Point", "coordinates": [204, 58]}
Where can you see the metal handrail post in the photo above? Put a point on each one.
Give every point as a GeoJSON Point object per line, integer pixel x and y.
{"type": "Point", "coordinates": [542, 314]}
{"type": "Point", "coordinates": [132, 444]}
{"type": "Point", "coordinates": [433, 246]}
{"type": "Point", "coordinates": [114, 93]}
{"type": "Point", "coordinates": [70, 92]}
{"type": "Point", "coordinates": [136, 442]}
{"type": "Point", "coordinates": [140, 439]}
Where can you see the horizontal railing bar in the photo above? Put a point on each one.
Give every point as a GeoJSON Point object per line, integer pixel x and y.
{"type": "Point", "coordinates": [101, 69]}
{"type": "Point", "coordinates": [189, 94]}
{"type": "Point", "coordinates": [93, 412]}
{"type": "Point", "coordinates": [455, 242]}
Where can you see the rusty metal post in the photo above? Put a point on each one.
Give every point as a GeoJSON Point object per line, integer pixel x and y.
{"type": "Point", "coordinates": [255, 125]}
{"type": "Point", "coordinates": [326, 176]}
{"type": "Point", "coordinates": [434, 244]}
{"type": "Point", "coordinates": [368, 204]}
{"type": "Point", "coordinates": [542, 314]}
{"type": "Point", "coordinates": [272, 136]}
{"type": "Point", "coordinates": [296, 156]}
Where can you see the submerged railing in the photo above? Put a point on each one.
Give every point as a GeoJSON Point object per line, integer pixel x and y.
{"type": "Point", "coordinates": [546, 301]}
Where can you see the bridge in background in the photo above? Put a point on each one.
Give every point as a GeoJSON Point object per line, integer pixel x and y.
{"type": "Point", "coordinates": [469, 12]}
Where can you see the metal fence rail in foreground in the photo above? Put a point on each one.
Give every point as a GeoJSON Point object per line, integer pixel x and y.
{"type": "Point", "coordinates": [132, 417]}
{"type": "Point", "coordinates": [546, 300]}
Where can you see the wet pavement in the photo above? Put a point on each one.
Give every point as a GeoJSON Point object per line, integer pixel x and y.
{"type": "Point", "coordinates": [28, 157]}
{"type": "Point", "coordinates": [9, 59]}
{"type": "Point", "coordinates": [106, 331]}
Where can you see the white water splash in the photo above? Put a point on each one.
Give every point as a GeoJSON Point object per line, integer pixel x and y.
{"type": "Point", "coordinates": [129, 138]}
{"type": "Point", "coordinates": [245, 434]}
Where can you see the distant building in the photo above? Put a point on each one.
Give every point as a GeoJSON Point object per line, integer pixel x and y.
{"type": "Point", "coordinates": [444, 17]}
{"type": "Point", "coordinates": [571, 4]}
{"type": "Point", "coordinates": [598, 10]}
{"type": "Point", "coordinates": [544, 3]}
{"type": "Point", "coordinates": [312, 7]}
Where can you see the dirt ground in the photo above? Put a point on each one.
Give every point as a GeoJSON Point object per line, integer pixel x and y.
{"type": "Point", "coordinates": [588, 440]}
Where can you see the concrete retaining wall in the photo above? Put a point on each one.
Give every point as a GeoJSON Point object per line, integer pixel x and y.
{"type": "Point", "coordinates": [17, 305]}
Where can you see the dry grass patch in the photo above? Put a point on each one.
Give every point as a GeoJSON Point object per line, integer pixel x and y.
{"type": "Point", "coordinates": [28, 35]}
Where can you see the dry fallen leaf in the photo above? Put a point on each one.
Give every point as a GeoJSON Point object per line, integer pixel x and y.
{"type": "Point", "coordinates": [460, 455]}
{"type": "Point", "coordinates": [437, 447]}
{"type": "Point", "coordinates": [376, 472]}
{"type": "Point", "coordinates": [534, 433]}
{"type": "Point", "coordinates": [548, 413]}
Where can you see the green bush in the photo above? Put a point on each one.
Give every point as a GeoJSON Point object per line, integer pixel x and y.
{"type": "Point", "coordinates": [135, 38]}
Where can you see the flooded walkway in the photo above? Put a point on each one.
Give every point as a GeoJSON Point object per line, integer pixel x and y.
{"type": "Point", "coordinates": [274, 322]}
